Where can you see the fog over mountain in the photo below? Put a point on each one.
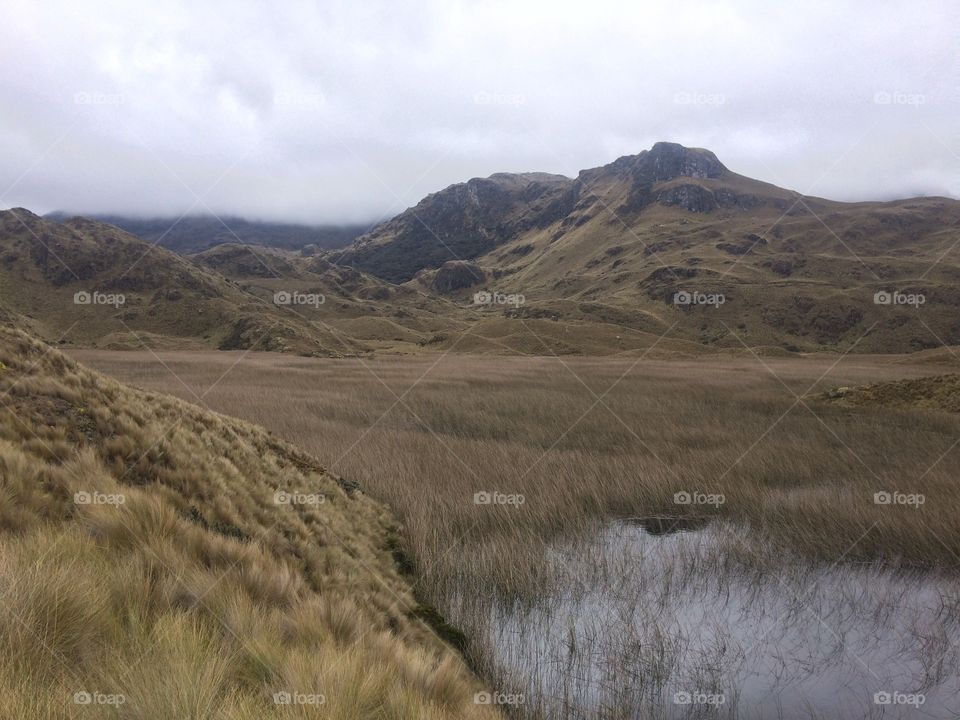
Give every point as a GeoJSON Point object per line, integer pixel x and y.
{"type": "Point", "coordinates": [344, 112]}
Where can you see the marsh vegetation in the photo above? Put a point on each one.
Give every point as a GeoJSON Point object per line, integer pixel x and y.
{"type": "Point", "coordinates": [797, 586]}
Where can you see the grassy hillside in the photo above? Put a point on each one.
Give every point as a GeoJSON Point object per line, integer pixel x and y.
{"type": "Point", "coordinates": [667, 248]}
{"type": "Point", "coordinates": [586, 441]}
{"type": "Point", "coordinates": [939, 392]}
{"type": "Point", "coordinates": [617, 244]}
{"type": "Point", "coordinates": [357, 305]}
{"type": "Point", "coordinates": [140, 294]}
{"type": "Point", "coordinates": [149, 569]}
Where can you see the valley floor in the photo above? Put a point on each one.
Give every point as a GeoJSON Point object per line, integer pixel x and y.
{"type": "Point", "coordinates": [493, 463]}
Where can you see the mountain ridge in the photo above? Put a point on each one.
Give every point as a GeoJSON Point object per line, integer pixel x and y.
{"type": "Point", "coordinates": [619, 242]}
{"type": "Point", "coordinates": [85, 282]}
{"type": "Point", "coordinates": [424, 230]}
{"type": "Point", "coordinates": [611, 261]}
{"type": "Point", "coordinates": [196, 233]}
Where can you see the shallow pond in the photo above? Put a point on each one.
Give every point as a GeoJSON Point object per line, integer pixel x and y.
{"type": "Point", "coordinates": [660, 618]}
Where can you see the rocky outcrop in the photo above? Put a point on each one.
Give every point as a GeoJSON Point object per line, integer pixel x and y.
{"type": "Point", "coordinates": [456, 275]}
{"type": "Point", "coordinates": [663, 162]}
{"type": "Point", "coordinates": [692, 198]}
{"type": "Point", "coordinates": [461, 222]}
{"type": "Point", "coordinates": [666, 161]}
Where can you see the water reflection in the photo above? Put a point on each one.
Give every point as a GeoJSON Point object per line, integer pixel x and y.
{"type": "Point", "coordinates": [667, 525]}
{"type": "Point", "coordinates": [666, 617]}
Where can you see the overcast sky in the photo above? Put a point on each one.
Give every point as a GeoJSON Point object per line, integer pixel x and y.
{"type": "Point", "coordinates": [345, 111]}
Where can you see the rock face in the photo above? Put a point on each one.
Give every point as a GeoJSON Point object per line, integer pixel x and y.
{"type": "Point", "coordinates": [456, 275]}
{"type": "Point", "coordinates": [663, 162]}
{"type": "Point", "coordinates": [461, 222]}
{"type": "Point", "coordinates": [692, 198]}
{"type": "Point", "coordinates": [666, 161]}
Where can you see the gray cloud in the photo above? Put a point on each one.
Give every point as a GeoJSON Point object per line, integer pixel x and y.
{"type": "Point", "coordinates": [349, 111]}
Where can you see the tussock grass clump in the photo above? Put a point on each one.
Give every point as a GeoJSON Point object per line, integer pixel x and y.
{"type": "Point", "coordinates": [148, 570]}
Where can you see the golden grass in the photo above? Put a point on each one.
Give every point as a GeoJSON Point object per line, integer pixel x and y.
{"type": "Point", "coordinates": [184, 590]}
{"type": "Point", "coordinates": [585, 440]}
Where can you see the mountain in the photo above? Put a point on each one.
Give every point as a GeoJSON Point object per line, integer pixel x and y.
{"type": "Point", "coordinates": [468, 220]}
{"type": "Point", "coordinates": [159, 560]}
{"type": "Point", "coordinates": [193, 234]}
{"type": "Point", "coordinates": [666, 248]}
{"type": "Point", "coordinates": [625, 244]}
{"type": "Point", "coordinates": [460, 223]}
{"type": "Point", "coordinates": [84, 282]}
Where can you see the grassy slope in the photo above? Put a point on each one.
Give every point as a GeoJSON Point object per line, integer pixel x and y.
{"type": "Point", "coordinates": [797, 272]}
{"type": "Point", "coordinates": [585, 440]}
{"type": "Point", "coordinates": [796, 284]}
{"type": "Point", "coordinates": [222, 298]}
{"type": "Point", "coordinates": [358, 306]}
{"type": "Point", "coordinates": [940, 392]}
{"type": "Point", "coordinates": [167, 299]}
{"type": "Point", "coordinates": [198, 596]}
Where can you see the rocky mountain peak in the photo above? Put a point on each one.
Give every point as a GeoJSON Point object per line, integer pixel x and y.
{"type": "Point", "coordinates": [666, 161]}
{"type": "Point", "coordinates": [663, 162]}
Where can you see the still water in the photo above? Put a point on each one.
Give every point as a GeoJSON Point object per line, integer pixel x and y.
{"type": "Point", "coordinates": [660, 618]}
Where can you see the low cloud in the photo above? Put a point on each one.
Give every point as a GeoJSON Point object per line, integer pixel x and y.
{"type": "Point", "coordinates": [354, 111]}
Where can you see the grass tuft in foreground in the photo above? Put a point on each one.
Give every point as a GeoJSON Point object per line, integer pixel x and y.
{"type": "Point", "coordinates": [161, 561]}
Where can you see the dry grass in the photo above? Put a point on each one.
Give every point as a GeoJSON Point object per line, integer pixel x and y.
{"type": "Point", "coordinates": [938, 392]}
{"type": "Point", "coordinates": [802, 474]}
{"type": "Point", "coordinates": [197, 596]}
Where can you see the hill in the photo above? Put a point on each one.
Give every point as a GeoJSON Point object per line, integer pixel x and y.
{"type": "Point", "coordinates": [88, 283]}
{"type": "Point", "coordinates": [460, 223]}
{"type": "Point", "coordinates": [162, 561]}
{"type": "Point", "coordinates": [672, 241]}
{"type": "Point", "coordinates": [359, 306]}
{"type": "Point", "coordinates": [668, 248]}
{"type": "Point", "coordinates": [196, 233]}
{"type": "Point", "coordinates": [938, 392]}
